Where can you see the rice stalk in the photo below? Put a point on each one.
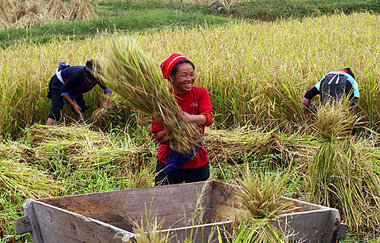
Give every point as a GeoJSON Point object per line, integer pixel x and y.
{"type": "Point", "coordinates": [82, 10]}
{"type": "Point", "coordinates": [261, 196]}
{"type": "Point", "coordinates": [149, 230]}
{"type": "Point", "coordinates": [57, 10]}
{"type": "Point", "coordinates": [347, 177]}
{"type": "Point", "coordinates": [35, 13]}
{"type": "Point", "coordinates": [132, 74]}
{"type": "Point", "coordinates": [19, 178]}
{"type": "Point", "coordinates": [335, 120]}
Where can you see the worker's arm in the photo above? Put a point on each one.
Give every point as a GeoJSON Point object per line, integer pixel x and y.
{"type": "Point", "coordinates": [106, 101]}
{"type": "Point", "coordinates": [306, 108]}
{"type": "Point", "coordinates": [72, 103]}
{"type": "Point", "coordinates": [306, 101]}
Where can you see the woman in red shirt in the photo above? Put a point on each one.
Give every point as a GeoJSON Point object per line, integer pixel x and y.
{"type": "Point", "coordinates": [196, 108]}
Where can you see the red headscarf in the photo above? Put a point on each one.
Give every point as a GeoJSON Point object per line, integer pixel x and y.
{"type": "Point", "coordinates": [168, 64]}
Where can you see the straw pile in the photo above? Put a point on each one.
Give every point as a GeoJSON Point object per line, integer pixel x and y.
{"type": "Point", "coordinates": [57, 10]}
{"type": "Point", "coordinates": [81, 147]}
{"type": "Point", "coordinates": [261, 197]}
{"type": "Point", "coordinates": [81, 9]}
{"type": "Point", "coordinates": [238, 143]}
{"type": "Point", "coordinates": [16, 177]}
{"type": "Point", "coordinates": [26, 13]}
{"type": "Point", "coordinates": [24, 180]}
{"type": "Point", "coordinates": [345, 175]}
{"type": "Point", "coordinates": [35, 13]}
{"type": "Point", "coordinates": [132, 75]}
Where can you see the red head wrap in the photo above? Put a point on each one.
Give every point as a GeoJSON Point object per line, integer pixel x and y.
{"type": "Point", "coordinates": [168, 64]}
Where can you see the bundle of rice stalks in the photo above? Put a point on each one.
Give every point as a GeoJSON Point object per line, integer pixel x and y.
{"type": "Point", "coordinates": [236, 144]}
{"type": "Point", "coordinates": [79, 146]}
{"type": "Point", "coordinates": [35, 13]}
{"type": "Point", "coordinates": [24, 180]}
{"type": "Point", "coordinates": [57, 10]}
{"type": "Point", "coordinates": [11, 11]}
{"type": "Point", "coordinates": [335, 120]}
{"type": "Point", "coordinates": [82, 10]}
{"type": "Point", "coordinates": [261, 196]}
{"type": "Point", "coordinates": [132, 75]}
{"type": "Point", "coordinates": [42, 134]}
{"type": "Point", "coordinates": [347, 177]}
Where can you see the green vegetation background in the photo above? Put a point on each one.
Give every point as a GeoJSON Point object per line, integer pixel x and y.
{"type": "Point", "coordinates": [126, 16]}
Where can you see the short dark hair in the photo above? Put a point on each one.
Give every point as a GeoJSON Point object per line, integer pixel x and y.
{"type": "Point", "coordinates": [349, 71]}
{"type": "Point", "coordinates": [175, 67]}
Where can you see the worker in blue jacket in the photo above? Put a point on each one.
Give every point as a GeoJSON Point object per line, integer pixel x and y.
{"type": "Point", "coordinates": [68, 85]}
{"type": "Point", "coordinates": [332, 87]}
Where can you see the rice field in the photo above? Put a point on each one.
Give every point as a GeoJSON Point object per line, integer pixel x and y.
{"type": "Point", "coordinates": [256, 73]}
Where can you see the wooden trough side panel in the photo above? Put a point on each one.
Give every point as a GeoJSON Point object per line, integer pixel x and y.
{"type": "Point", "coordinates": [33, 221]}
{"type": "Point", "coordinates": [199, 233]}
{"type": "Point", "coordinates": [58, 225]}
{"type": "Point", "coordinates": [226, 202]}
{"type": "Point", "coordinates": [175, 203]}
{"type": "Point", "coordinates": [309, 226]}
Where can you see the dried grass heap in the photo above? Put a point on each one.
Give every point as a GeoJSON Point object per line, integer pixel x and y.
{"type": "Point", "coordinates": [81, 9]}
{"type": "Point", "coordinates": [132, 74]}
{"type": "Point", "coordinates": [57, 10]}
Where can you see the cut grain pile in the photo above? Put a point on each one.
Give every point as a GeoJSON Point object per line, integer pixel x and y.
{"type": "Point", "coordinates": [132, 74]}
{"type": "Point", "coordinates": [57, 10]}
{"type": "Point", "coordinates": [261, 196]}
{"type": "Point", "coordinates": [82, 10]}
{"type": "Point", "coordinates": [27, 13]}
{"type": "Point", "coordinates": [35, 13]}
{"type": "Point", "coordinates": [78, 146]}
{"type": "Point", "coordinates": [17, 177]}
{"type": "Point", "coordinates": [238, 143]}
{"type": "Point", "coordinates": [345, 175]}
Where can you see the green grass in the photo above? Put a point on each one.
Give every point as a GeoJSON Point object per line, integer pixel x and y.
{"type": "Point", "coordinates": [273, 9]}
{"type": "Point", "coordinates": [125, 16]}
{"type": "Point", "coordinates": [113, 16]}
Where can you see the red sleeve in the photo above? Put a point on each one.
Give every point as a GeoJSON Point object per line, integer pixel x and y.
{"type": "Point", "coordinates": [156, 126]}
{"type": "Point", "coordinates": [205, 107]}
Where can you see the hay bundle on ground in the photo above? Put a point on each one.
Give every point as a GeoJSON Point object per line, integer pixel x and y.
{"type": "Point", "coordinates": [57, 10]}
{"type": "Point", "coordinates": [261, 197]}
{"type": "Point", "coordinates": [132, 75]}
{"type": "Point", "coordinates": [79, 146]}
{"type": "Point", "coordinates": [24, 180]}
{"type": "Point", "coordinates": [11, 11]}
{"type": "Point", "coordinates": [239, 143]}
{"type": "Point", "coordinates": [345, 175]}
{"type": "Point", "coordinates": [35, 13]}
{"type": "Point", "coordinates": [82, 10]}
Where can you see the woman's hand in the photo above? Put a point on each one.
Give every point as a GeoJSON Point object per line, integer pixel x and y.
{"type": "Point", "coordinates": [163, 136]}
{"type": "Point", "coordinates": [77, 108]}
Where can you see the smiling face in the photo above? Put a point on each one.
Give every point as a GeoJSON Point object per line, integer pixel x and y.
{"type": "Point", "coordinates": [183, 79]}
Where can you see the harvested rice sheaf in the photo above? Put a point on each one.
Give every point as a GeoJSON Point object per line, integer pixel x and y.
{"type": "Point", "coordinates": [80, 146]}
{"type": "Point", "coordinates": [19, 178]}
{"type": "Point", "coordinates": [57, 10]}
{"type": "Point", "coordinates": [261, 196]}
{"type": "Point", "coordinates": [82, 10]}
{"type": "Point", "coordinates": [132, 74]}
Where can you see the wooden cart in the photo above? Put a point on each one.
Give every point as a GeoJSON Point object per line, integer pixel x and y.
{"type": "Point", "coordinates": [199, 212]}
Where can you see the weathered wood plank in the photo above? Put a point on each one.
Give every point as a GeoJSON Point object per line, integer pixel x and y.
{"type": "Point", "coordinates": [58, 225]}
{"type": "Point", "coordinates": [23, 225]}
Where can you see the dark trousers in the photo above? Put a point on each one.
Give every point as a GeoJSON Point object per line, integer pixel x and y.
{"type": "Point", "coordinates": [181, 175]}
{"type": "Point", "coordinates": [55, 95]}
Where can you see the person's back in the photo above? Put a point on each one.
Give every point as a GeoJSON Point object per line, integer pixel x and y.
{"type": "Point", "coordinates": [333, 87]}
